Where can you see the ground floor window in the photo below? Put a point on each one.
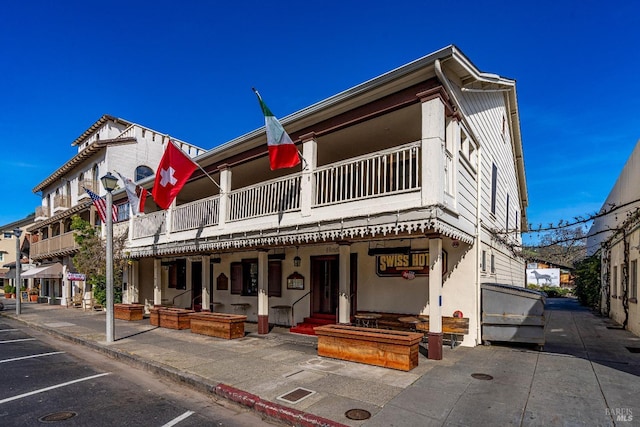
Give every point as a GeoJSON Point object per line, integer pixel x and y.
{"type": "Point", "coordinates": [244, 277]}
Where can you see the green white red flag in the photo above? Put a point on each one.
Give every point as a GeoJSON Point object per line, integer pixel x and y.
{"type": "Point", "coordinates": [282, 151]}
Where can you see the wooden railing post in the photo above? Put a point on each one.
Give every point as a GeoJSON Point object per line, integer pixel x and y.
{"type": "Point", "coordinates": [307, 184]}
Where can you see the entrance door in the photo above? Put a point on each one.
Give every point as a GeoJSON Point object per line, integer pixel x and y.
{"type": "Point", "coordinates": [324, 284]}
{"type": "Point", "coordinates": [196, 285]}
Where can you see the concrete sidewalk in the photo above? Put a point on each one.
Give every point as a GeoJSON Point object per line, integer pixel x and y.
{"type": "Point", "coordinates": [586, 375]}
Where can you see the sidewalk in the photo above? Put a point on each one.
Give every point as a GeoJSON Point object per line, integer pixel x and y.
{"type": "Point", "coordinates": [585, 375]}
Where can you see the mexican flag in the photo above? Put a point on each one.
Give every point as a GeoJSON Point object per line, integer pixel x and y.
{"type": "Point", "coordinates": [282, 151]}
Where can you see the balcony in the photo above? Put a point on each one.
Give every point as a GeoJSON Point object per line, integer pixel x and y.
{"type": "Point", "coordinates": [89, 184]}
{"type": "Point", "coordinates": [61, 202]}
{"type": "Point", "coordinates": [56, 245]}
{"type": "Point", "coordinates": [384, 181]}
{"type": "Point", "coordinates": [42, 213]}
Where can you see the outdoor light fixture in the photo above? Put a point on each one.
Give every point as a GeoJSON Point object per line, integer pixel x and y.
{"type": "Point", "coordinates": [297, 260]}
{"type": "Point", "coordinates": [109, 183]}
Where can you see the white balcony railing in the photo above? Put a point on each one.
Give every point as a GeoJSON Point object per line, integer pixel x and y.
{"type": "Point", "coordinates": [270, 197]}
{"type": "Point", "coordinates": [198, 214]}
{"type": "Point", "coordinates": [150, 224]}
{"type": "Point", "coordinates": [384, 173]}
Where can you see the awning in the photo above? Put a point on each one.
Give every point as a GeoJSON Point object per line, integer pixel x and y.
{"type": "Point", "coordinates": [52, 271]}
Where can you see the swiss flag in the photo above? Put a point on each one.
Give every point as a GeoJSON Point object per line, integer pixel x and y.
{"type": "Point", "coordinates": [173, 172]}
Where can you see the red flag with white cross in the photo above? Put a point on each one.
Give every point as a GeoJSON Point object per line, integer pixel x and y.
{"type": "Point", "coordinates": [173, 172]}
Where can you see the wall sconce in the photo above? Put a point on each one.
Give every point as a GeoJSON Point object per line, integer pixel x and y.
{"type": "Point", "coordinates": [297, 260]}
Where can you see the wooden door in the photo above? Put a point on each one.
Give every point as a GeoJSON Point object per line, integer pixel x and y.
{"type": "Point", "coordinates": [324, 284]}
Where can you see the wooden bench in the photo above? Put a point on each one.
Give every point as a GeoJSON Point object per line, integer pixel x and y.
{"type": "Point", "coordinates": [380, 347]}
{"type": "Point", "coordinates": [452, 328]}
{"type": "Point", "coordinates": [170, 317]}
{"type": "Point", "coordinates": [219, 325]}
{"type": "Point", "coordinates": [130, 312]}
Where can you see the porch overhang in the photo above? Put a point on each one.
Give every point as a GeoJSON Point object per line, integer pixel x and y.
{"type": "Point", "coordinates": [318, 233]}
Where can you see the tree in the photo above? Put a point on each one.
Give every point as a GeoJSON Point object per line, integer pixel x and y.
{"type": "Point", "coordinates": [91, 258]}
{"type": "Point", "coordinates": [587, 281]}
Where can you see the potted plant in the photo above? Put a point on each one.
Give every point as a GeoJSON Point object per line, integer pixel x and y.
{"type": "Point", "coordinates": [7, 291]}
{"type": "Point", "coordinates": [33, 294]}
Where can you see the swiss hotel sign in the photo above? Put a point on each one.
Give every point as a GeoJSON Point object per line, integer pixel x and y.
{"type": "Point", "coordinates": [400, 264]}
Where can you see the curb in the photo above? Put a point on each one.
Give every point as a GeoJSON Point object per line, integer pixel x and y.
{"type": "Point", "coordinates": [267, 409]}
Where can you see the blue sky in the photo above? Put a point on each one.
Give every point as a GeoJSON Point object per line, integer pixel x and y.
{"type": "Point", "coordinates": [186, 68]}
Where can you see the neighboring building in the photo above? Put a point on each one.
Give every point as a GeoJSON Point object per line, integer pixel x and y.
{"type": "Point", "coordinates": [617, 236]}
{"type": "Point", "coordinates": [403, 180]}
{"type": "Point", "coordinates": [558, 275]}
{"type": "Point", "coordinates": [8, 250]}
{"type": "Point", "coordinates": [110, 144]}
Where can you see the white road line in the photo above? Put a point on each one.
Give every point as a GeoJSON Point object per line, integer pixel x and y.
{"type": "Point", "coordinates": [23, 339]}
{"type": "Point", "coordinates": [42, 390]}
{"type": "Point", "coordinates": [8, 330]}
{"type": "Point", "coordinates": [180, 418]}
{"type": "Point", "coordinates": [31, 357]}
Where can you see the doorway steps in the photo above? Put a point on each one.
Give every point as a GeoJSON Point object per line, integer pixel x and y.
{"type": "Point", "coordinates": [316, 319]}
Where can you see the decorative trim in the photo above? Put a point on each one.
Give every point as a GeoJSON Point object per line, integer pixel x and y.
{"type": "Point", "coordinates": [278, 237]}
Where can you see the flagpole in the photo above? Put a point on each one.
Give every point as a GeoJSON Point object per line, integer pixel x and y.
{"type": "Point", "coordinates": [195, 163]}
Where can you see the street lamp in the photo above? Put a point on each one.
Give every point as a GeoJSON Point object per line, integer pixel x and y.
{"type": "Point", "coordinates": [109, 183]}
{"type": "Point", "coordinates": [17, 232]}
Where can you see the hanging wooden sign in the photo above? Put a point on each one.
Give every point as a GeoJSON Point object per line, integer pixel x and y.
{"type": "Point", "coordinates": [400, 265]}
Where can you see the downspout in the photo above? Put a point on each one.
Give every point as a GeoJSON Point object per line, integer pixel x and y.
{"type": "Point", "coordinates": [478, 245]}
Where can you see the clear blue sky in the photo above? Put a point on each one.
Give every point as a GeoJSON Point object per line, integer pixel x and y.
{"type": "Point", "coordinates": [186, 68]}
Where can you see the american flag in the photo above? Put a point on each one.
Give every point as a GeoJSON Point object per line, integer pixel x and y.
{"type": "Point", "coordinates": [101, 205]}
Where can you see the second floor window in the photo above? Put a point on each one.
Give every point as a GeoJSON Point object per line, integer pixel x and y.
{"type": "Point", "coordinates": [494, 187]}
{"type": "Point", "coordinates": [142, 172]}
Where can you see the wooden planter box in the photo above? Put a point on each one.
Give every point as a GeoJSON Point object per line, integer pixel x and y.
{"type": "Point", "coordinates": [128, 311]}
{"type": "Point", "coordinates": [380, 347]}
{"type": "Point", "coordinates": [169, 317]}
{"type": "Point", "coordinates": [220, 325]}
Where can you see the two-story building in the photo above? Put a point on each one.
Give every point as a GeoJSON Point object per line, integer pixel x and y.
{"type": "Point", "coordinates": [110, 144]}
{"type": "Point", "coordinates": [615, 234]}
{"type": "Point", "coordinates": [410, 195]}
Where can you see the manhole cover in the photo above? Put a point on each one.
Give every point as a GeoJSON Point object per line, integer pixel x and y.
{"type": "Point", "coordinates": [634, 349]}
{"type": "Point", "coordinates": [58, 416]}
{"type": "Point", "coordinates": [357, 414]}
{"type": "Point", "coordinates": [296, 395]}
{"type": "Point", "coordinates": [485, 377]}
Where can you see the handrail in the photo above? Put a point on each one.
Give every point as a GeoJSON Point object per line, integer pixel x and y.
{"type": "Point", "coordinates": [173, 301]}
{"type": "Point", "coordinates": [193, 301]}
{"type": "Point", "coordinates": [293, 317]}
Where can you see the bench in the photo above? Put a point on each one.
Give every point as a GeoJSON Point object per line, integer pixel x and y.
{"type": "Point", "coordinates": [170, 317]}
{"type": "Point", "coordinates": [219, 325]}
{"type": "Point", "coordinates": [379, 347]}
{"type": "Point", "coordinates": [452, 328]}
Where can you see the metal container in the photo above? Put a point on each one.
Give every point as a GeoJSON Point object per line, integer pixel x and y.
{"type": "Point", "coordinates": [512, 314]}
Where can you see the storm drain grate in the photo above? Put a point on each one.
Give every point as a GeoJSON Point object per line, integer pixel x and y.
{"type": "Point", "coordinates": [485, 377]}
{"type": "Point", "coordinates": [357, 414]}
{"type": "Point", "coordinates": [57, 416]}
{"type": "Point", "coordinates": [634, 349]}
{"type": "Point", "coordinates": [296, 395]}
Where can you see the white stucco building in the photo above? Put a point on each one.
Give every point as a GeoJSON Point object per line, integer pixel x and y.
{"type": "Point", "coordinates": [404, 179]}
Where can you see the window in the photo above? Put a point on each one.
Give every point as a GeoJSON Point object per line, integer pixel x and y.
{"type": "Point", "coordinates": [142, 172]}
{"type": "Point", "coordinates": [123, 212]}
{"type": "Point", "coordinates": [633, 280]}
{"type": "Point", "coordinates": [483, 261]}
{"type": "Point", "coordinates": [244, 278]}
{"type": "Point", "coordinates": [493, 264]}
{"type": "Point", "coordinates": [178, 274]}
{"type": "Point", "coordinates": [1, 256]}
{"type": "Point", "coordinates": [614, 282]}
{"type": "Point", "coordinates": [494, 186]}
